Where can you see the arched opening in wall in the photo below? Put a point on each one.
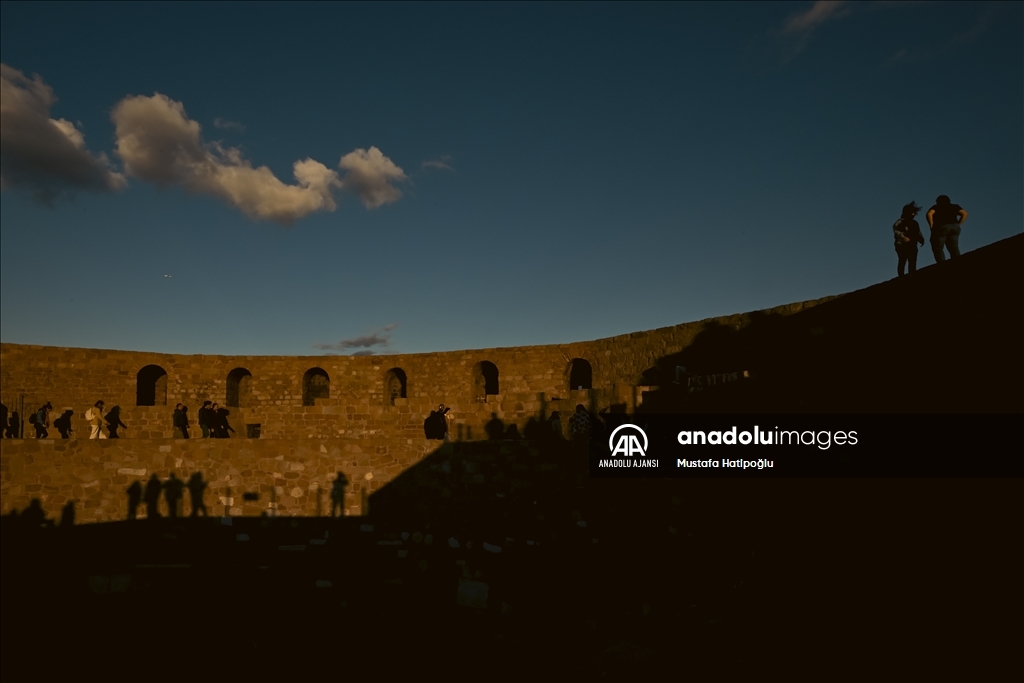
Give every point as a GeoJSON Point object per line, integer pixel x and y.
{"type": "Point", "coordinates": [315, 384]}
{"type": "Point", "coordinates": [581, 374]}
{"type": "Point", "coordinates": [151, 386]}
{"type": "Point", "coordinates": [239, 394]}
{"type": "Point", "coordinates": [394, 385]}
{"type": "Point", "coordinates": [485, 380]}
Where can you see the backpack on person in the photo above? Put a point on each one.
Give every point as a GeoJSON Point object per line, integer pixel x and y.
{"type": "Point", "coordinates": [32, 418]}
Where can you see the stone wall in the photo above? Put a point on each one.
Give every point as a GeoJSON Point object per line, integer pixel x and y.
{"type": "Point", "coordinates": [529, 378]}
{"type": "Point", "coordinates": [292, 477]}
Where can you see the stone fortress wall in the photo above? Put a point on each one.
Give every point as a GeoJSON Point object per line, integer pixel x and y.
{"type": "Point", "coordinates": [362, 428]}
{"type": "Point", "coordinates": [362, 396]}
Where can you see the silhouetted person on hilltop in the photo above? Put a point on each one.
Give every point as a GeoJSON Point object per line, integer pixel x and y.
{"type": "Point", "coordinates": [173, 491]}
{"type": "Point", "coordinates": [13, 427]}
{"type": "Point", "coordinates": [153, 487]}
{"type": "Point", "coordinates": [41, 421]}
{"type": "Point", "coordinates": [134, 498]}
{"type": "Point", "coordinates": [945, 220]}
{"type": "Point", "coordinates": [907, 235]}
{"type": "Point", "coordinates": [63, 424]}
{"type": "Point", "coordinates": [114, 423]}
{"type": "Point", "coordinates": [338, 494]}
{"type": "Point", "coordinates": [95, 418]}
{"type": "Point", "coordinates": [196, 487]}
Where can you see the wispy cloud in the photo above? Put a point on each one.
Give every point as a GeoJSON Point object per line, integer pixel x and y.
{"type": "Point", "coordinates": [800, 26]}
{"type": "Point", "coordinates": [443, 163]}
{"type": "Point", "coordinates": [224, 124]}
{"type": "Point", "coordinates": [159, 143]}
{"type": "Point", "coordinates": [44, 155]}
{"type": "Point", "coordinates": [381, 339]}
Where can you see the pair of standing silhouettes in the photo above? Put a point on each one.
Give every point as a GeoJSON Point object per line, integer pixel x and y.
{"type": "Point", "coordinates": [944, 219]}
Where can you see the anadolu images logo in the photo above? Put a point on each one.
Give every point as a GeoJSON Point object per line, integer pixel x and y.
{"type": "Point", "coordinates": [627, 444]}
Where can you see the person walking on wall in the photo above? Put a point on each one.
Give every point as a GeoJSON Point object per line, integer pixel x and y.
{"type": "Point", "coordinates": [945, 220]}
{"type": "Point", "coordinates": [41, 421]}
{"type": "Point", "coordinates": [114, 423]}
{"type": "Point", "coordinates": [447, 418]}
{"type": "Point", "coordinates": [907, 235]}
{"type": "Point", "coordinates": [63, 424]}
{"type": "Point", "coordinates": [205, 419]}
{"type": "Point", "coordinates": [95, 418]}
{"type": "Point", "coordinates": [177, 419]}
{"type": "Point", "coordinates": [13, 426]}
{"type": "Point", "coordinates": [184, 422]}
{"type": "Point", "coordinates": [221, 426]}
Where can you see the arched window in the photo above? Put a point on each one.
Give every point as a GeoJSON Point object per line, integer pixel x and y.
{"type": "Point", "coordinates": [151, 386]}
{"type": "Point", "coordinates": [485, 380]}
{"type": "Point", "coordinates": [315, 384]}
{"type": "Point", "coordinates": [239, 388]}
{"type": "Point", "coordinates": [394, 385]}
{"type": "Point", "coordinates": [581, 375]}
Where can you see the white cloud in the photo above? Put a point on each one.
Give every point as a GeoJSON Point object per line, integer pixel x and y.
{"type": "Point", "coordinates": [159, 143]}
{"type": "Point", "coordinates": [47, 156]}
{"type": "Point", "coordinates": [370, 175]}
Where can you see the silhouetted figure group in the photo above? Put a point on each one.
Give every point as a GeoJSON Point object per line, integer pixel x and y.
{"type": "Point", "coordinates": [213, 421]}
{"type": "Point", "coordinates": [944, 220]}
{"type": "Point", "coordinates": [173, 490]}
{"type": "Point", "coordinates": [438, 424]}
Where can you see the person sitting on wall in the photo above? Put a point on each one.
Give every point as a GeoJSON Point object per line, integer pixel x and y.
{"type": "Point", "coordinates": [63, 424]}
{"type": "Point", "coordinates": [114, 423]}
{"type": "Point", "coordinates": [205, 419]}
{"type": "Point", "coordinates": [95, 417]}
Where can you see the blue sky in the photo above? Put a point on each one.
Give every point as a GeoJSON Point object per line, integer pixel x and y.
{"type": "Point", "coordinates": [480, 174]}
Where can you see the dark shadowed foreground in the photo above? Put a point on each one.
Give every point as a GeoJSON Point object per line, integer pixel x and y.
{"type": "Point", "coordinates": [558, 578]}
